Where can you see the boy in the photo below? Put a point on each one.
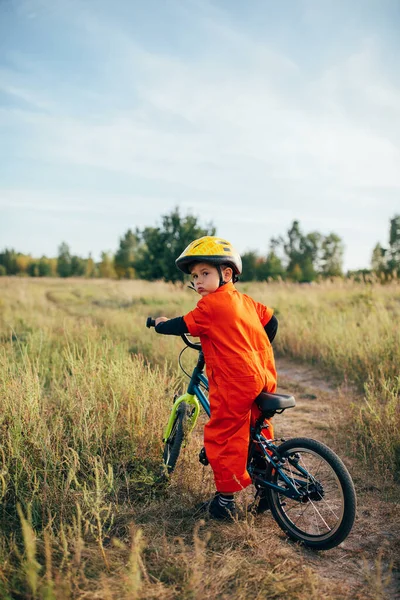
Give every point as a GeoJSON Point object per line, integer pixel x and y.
{"type": "Point", "coordinates": [235, 334]}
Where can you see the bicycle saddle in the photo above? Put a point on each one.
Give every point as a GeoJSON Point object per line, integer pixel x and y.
{"type": "Point", "coordinates": [268, 402]}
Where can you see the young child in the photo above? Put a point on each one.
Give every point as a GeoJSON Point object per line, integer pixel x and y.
{"type": "Point", "coordinates": [235, 333]}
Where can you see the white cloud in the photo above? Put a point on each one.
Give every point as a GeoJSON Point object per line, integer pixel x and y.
{"type": "Point", "coordinates": [54, 201]}
{"type": "Point", "coordinates": [258, 133]}
{"type": "Point", "coordinates": [220, 124]}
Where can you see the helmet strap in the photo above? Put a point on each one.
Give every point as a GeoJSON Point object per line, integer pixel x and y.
{"type": "Point", "coordinates": [221, 279]}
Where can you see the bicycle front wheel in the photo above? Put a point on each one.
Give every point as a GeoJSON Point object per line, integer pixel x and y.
{"type": "Point", "coordinates": [324, 516]}
{"type": "Point", "coordinates": [173, 444]}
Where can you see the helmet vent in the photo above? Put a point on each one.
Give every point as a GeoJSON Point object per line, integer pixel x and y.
{"type": "Point", "coordinates": [215, 250]}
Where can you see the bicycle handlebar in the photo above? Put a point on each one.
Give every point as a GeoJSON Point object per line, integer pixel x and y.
{"type": "Point", "coordinates": [195, 346]}
{"type": "Point", "coordinates": [150, 322]}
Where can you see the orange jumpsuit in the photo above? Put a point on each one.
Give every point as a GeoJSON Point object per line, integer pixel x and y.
{"type": "Point", "coordinates": [240, 364]}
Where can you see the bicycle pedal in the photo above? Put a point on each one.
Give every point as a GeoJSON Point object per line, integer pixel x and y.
{"type": "Point", "coordinates": [203, 457]}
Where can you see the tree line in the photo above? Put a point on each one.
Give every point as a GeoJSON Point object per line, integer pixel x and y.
{"type": "Point", "coordinates": [385, 262]}
{"type": "Point", "coordinates": [150, 254]}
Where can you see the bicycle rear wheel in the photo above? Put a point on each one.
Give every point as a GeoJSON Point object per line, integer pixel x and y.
{"type": "Point", "coordinates": [325, 515]}
{"type": "Point", "coordinates": [173, 444]}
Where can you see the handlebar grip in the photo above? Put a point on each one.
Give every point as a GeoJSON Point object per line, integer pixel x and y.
{"type": "Point", "coordinates": [150, 322]}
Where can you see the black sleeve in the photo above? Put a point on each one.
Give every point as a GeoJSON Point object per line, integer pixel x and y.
{"type": "Point", "coordinates": [175, 326]}
{"type": "Point", "coordinates": [271, 328]}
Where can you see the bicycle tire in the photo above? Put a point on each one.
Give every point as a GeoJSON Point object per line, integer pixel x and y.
{"type": "Point", "coordinates": [174, 442]}
{"type": "Point", "coordinates": [326, 515]}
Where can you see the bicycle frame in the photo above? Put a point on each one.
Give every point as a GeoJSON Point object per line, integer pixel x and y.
{"type": "Point", "coordinates": [195, 397]}
{"type": "Point", "coordinates": [268, 447]}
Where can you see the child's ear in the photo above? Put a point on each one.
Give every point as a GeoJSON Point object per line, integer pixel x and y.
{"type": "Point", "coordinates": [228, 274]}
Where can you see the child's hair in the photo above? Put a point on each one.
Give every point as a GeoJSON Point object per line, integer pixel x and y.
{"type": "Point", "coordinates": [222, 267]}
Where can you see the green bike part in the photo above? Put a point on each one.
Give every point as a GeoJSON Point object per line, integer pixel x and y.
{"type": "Point", "coordinates": [192, 419]}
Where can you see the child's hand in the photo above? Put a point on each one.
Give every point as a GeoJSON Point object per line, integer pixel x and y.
{"type": "Point", "coordinates": [161, 320]}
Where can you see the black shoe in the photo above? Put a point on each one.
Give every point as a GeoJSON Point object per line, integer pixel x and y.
{"type": "Point", "coordinates": [219, 507]}
{"type": "Point", "coordinates": [222, 508]}
{"type": "Point", "coordinates": [203, 506]}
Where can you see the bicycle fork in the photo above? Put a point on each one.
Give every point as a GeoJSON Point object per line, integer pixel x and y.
{"type": "Point", "coordinates": [189, 399]}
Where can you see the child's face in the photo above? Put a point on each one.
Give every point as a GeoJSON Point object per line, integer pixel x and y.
{"type": "Point", "coordinates": [205, 278]}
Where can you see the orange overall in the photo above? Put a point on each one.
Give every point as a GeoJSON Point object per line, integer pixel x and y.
{"type": "Point", "coordinates": [240, 364]}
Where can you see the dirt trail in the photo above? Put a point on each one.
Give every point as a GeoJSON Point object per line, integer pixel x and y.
{"type": "Point", "coordinates": [365, 557]}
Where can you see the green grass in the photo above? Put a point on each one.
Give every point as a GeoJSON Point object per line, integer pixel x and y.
{"type": "Point", "coordinates": [85, 390]}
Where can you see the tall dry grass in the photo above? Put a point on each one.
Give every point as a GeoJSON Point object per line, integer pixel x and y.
{"type": "Point", "coordinates": [353, 332]}
{"type": "Point", "coordinates": [85, 391]}
{"type": "Point", "coordinates": [81, 420]}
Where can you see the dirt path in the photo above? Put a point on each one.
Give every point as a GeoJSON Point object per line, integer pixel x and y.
{"type": "Point", "coordinates": [371, 554]}
{"type": "Point", "coordinates": [252, 557]}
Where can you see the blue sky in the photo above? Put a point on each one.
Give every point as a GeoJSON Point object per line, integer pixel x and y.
{"type": "Point", "coordinates": [247, 114]}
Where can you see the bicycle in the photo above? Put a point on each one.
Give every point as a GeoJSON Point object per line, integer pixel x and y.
{"type": "Point", "coordinates": [308, 489]}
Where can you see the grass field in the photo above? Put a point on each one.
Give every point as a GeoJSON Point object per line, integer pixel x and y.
{"type": "Point", "coordinates": [85, 391]}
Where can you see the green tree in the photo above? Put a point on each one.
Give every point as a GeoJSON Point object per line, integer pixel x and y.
{"type": "Point", "coordinates": [126, 254]}
{"type": "Point", "coordinates": [273, 265]}
{"type": "Point", "coordinates": [40, 268]}
{"type": "Point", "coordinates": [249, 265]}
{"type": "Point", "coordinates": [379, 259]}
{"type": "Point", "coordinates": [296, 274]}
{"type": "Point", "coordinates": [256, 267]}
{"type": "Point", "coordinates": [33, 269]}
{"type": "Point", "coordinates": [106, 266]}
{"type": "Point", "coordinates": [45, 269]}
{"type": "Point", "coordinates": [332, 256]}
{"type": "Point", "coordinates": [269, 267]}
{"type": "Point", "coordinates": [64, 261]}
{"type": "Point", "coordinates": [8, 259]}
{"type": "Point", "coordinates": [78, 266]}
{"type": "Point", "coordinates": [160, 246]}
{"type": "Point", "coordinates": [312, 254]}
{"type": "Point", "coordinates": [23, 261]}
{"type": "Point", "coordinates": [387, 260]}
{"type": "Point", "coordinates": [90, 267]}
{"type": "Point", "coordinates": [308, 272]}
{"type": "Point", "coordinates": [302, 252]}
{"type": "Point", "coordinates": [394, 245]}
{"type": "Point", "coordinates": [293, 246]}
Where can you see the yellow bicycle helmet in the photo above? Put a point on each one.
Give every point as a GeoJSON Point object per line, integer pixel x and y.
{"type": "Point", "coordinates": [213, 250]}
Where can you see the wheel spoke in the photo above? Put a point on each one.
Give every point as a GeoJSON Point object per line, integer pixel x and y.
{"type": "Point", "coordinates": [321, 510]}
{"type": "Point", "coordinates": [329, 508]}
{"type": "Point", "coordinates": [323, 513]}
{"type": "Point", "coordinates": [317, 512]}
